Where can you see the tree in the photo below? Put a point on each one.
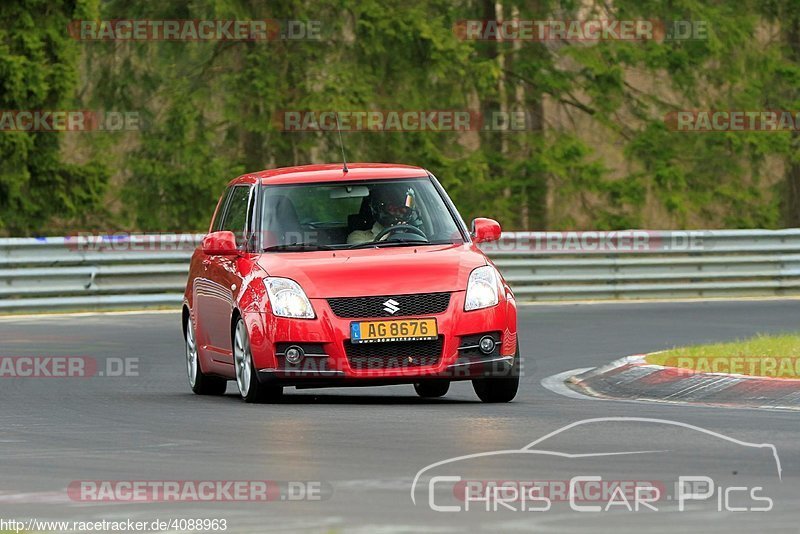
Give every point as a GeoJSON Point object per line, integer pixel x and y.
{"type": "Point", "coordinates": [596, 151]}
{"type": "Point", "coordinates": [38, 71]}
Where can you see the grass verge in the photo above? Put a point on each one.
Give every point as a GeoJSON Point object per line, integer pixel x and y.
{"type": "Point", "coordinates": [762, 355]}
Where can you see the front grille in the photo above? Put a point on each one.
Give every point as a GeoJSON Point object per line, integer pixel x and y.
{"type": "Point", "coordinates": [417, 304]}
{"type": "Point", "coordinates": [394, 354]}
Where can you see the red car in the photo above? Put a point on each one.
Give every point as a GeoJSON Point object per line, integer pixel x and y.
{"type": "Point", "coordinates": [327, 276]}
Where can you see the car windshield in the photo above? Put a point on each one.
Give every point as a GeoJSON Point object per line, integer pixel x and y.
{"type": "Point", "coordinates": [381, 213]}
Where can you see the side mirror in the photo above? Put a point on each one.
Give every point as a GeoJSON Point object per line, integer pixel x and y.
{"type": "Point", "coordinates": [220, 244]}
{"type": "Point", "coordinates": [485, 230]}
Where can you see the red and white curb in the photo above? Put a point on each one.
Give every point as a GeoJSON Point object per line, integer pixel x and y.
{"type": "Point", "coordinates": [632, 378]}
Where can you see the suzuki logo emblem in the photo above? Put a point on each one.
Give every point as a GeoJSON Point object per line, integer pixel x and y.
{"type": "Point", "coordinates": [391, 306]}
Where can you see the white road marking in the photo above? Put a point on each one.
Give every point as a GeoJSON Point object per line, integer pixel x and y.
{"type": "Point", "coordinates": [57, 315]}
{"type": "Point", "coordinates": [556, 384]}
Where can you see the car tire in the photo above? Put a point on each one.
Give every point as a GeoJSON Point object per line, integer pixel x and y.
{"type": "Point", "coordinates": [431, 389]}
{"type": "Point", "coordinates": [499, 388]}
{"type": "Point", "coordinates": [250, 388]}
{"type": "Point", "coordinates": [201, 383]}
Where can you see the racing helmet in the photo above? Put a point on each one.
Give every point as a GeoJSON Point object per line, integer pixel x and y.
{"type": "Point", "coordinates": [393, 204]}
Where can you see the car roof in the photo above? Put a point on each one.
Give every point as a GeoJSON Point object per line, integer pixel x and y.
{"type": "Point", "coordinates": [330, 172]}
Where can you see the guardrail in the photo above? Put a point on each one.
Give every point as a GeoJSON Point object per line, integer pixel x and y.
{"type": "Point", "coordinates": [644, 264]}
{"type": "Point", "coordinates": [94, 272]}
{"type": "Point", "coordinates": [43, 274]}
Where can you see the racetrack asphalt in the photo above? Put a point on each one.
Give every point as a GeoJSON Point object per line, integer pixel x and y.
{"type": "Point", "coordinates": [368, 444]}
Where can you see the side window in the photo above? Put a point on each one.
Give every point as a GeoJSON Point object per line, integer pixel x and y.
{"type": "Point", "coordinates": [216, 224]}
{"type": "Point", "coordinates": [235, 217]}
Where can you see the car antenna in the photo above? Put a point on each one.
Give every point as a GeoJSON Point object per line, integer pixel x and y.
{"type": "Point", "coordinates": [341, 144]}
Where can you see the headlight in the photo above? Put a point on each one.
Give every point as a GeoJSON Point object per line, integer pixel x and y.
{"type": "Point", "coordinates": [288, 299]}
{"type": "Point", "coordinates": [481, 288]}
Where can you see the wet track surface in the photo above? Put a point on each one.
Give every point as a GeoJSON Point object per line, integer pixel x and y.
{"type": "Point", "coordinates": [367, 445]}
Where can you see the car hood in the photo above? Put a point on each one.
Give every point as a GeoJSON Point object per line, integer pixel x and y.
{"type": "Point", "coordinates": [386, 271]}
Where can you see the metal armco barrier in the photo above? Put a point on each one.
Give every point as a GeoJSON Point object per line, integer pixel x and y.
{"type": "Point", "coordinates": [97, 272]}
{"type": "Point", "coordinates": [44, 274]}
{"type": "Point", "coordinates": [645, 264]}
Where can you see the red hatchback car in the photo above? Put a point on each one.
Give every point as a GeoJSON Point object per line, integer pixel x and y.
{"type": "Point", "coordinates": [325, 276]}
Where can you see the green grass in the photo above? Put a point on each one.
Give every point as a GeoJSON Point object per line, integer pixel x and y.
{"type": "Point", "coordinates": [762, 355]}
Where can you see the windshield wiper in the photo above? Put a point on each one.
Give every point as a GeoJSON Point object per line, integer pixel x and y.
{"type": "Point", "coordinates": [297, 247]}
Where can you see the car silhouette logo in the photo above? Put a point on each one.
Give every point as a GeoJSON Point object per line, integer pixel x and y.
{"type": "Point", "coordinates": [391, 306]}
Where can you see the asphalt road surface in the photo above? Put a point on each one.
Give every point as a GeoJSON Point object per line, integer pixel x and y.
{"type": "Point", "coordinates": [362, 448]}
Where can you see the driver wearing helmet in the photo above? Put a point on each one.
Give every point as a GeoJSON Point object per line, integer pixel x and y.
{"type": "Point", "coordinates": [390, 205]}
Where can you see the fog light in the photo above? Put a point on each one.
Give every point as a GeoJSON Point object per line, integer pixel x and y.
{"type": "Point", "coordinates": [294, 354]}
{"type": "Point", "coordinates": [486, 344]}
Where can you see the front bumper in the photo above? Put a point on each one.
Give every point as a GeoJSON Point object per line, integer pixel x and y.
{"type": "Point", "coordinates": [491, 367]}
{"type": "Point", "coordinates": [327, 336]}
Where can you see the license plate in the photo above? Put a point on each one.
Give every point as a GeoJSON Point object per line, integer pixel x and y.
{"type": "Point", "coordinates": [395, 330]}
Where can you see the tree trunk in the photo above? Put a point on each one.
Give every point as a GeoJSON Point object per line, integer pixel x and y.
{"type": "Point", "coordinates": [791, 203]}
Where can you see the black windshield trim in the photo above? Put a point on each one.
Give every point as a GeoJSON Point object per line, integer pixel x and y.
{"type": "Point", "coordinates": [398, 243]}
{"type": "Point", "coordinates": [298, 247]}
